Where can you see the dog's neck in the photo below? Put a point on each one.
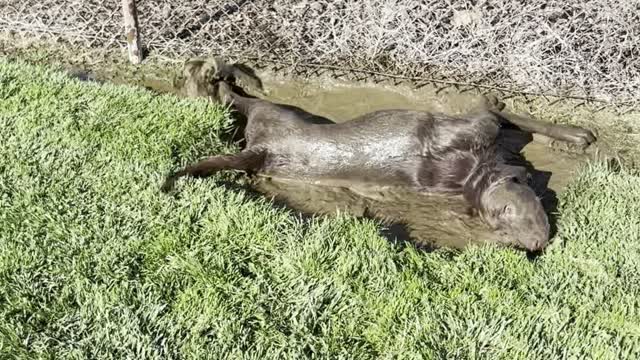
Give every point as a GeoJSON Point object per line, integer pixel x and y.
{"type": "Point", "coordinates": [487, 173]}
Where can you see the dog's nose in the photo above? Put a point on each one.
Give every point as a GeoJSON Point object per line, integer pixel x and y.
{"type": "Point", "coordinates": [539, 244]}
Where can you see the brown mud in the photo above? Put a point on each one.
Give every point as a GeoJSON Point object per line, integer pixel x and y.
{"type": "Point", "coordinates": [430, 220]}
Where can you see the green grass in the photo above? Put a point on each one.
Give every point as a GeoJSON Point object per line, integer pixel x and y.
{"type": "Point", "coordinates": [96, 263]}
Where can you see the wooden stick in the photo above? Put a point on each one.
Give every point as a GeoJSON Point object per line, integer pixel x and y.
{"type": "Point", "coordinates": [131, 30]}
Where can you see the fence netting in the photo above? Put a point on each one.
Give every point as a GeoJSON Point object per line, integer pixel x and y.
{"type": "Point", "coordinates": [587, 48]}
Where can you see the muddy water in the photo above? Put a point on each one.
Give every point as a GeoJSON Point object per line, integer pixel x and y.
{"type": "Point", "coordinates": [429, 219]}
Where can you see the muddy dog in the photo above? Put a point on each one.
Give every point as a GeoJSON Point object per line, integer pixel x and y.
{"type": "Point", "coordinates": [422, 151]}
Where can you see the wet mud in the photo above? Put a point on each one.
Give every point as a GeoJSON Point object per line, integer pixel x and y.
{"type": "Point", "coordinates": [430, 220]}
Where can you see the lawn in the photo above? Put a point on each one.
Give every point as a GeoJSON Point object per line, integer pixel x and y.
{"type": "Point", "coordinates": [95, 262]}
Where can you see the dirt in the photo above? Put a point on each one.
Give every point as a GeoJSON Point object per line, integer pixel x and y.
{"type": "Point", "coordinates": [429, 219]}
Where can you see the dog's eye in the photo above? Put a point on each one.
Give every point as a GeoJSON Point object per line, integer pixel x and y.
{"type": "Point", "coordinates": [515, 180]}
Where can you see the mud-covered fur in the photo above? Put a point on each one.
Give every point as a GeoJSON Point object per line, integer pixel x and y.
{"type": "Point", "coordinates": [423, 151]}
{"type": "Point", "coordinates": [200, 77]}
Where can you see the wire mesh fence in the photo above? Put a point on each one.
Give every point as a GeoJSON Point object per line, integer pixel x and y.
{"type": "Point", "coordinates": [581, 49]}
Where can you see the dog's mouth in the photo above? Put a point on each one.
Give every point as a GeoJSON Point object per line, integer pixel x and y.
{"type": "Point", "coordinates": [534, 244]}
{"type": "Point", "coordinates": [516, 240]}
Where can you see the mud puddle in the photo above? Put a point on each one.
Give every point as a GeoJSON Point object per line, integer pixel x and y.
{"type": "Point", "coordinates": [431, 220]}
